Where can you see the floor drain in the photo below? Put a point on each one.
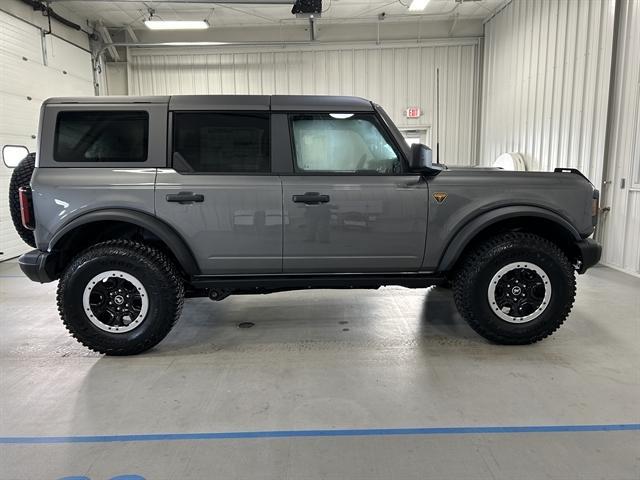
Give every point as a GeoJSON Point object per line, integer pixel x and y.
{"type": "Point", "coordinates": [246, 325]}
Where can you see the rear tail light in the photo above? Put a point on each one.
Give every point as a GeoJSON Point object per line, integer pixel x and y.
{"type": "Point", "coordinates": [26, 208]}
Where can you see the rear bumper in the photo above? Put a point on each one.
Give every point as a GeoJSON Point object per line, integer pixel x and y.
{"type": "Point", "coordinates": [38, 266]}
{"type": "Point", "coordinates": [590, 253]}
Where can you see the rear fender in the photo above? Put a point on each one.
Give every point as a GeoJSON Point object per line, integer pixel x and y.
{"type": "Point", "coordinates": [164, 232]}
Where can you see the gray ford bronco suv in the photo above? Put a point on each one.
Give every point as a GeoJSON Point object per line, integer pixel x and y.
{"type": "Point", "coordinates": [135, 203]}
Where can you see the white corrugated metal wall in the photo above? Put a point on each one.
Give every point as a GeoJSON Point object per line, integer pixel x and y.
{"type": "Point", "coordinates": [621, 226]}
{"type": "Point", "coordinates": [396, 76]}
{"type": "Point", "coordinates": [547, 68]}
{"type": "Point", "coordinates": [32, 68]}
{"type": "Point", "coordinates": [546, 83]}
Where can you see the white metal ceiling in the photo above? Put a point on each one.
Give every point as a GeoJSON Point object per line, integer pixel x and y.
{"type": "Point", "coordinates": [132, 13]}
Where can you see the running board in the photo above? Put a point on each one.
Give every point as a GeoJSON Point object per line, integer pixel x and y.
{"type": "Point", "coordinates": [279, 282]}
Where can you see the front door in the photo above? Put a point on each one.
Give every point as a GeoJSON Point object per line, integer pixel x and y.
{"type": "Point", "coordinates": [350, 206]}
{"type": "Point", "coordinates": [220, 194]}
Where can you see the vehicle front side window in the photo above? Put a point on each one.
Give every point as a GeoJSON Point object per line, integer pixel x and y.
{"type": "Point", "coordinates": [207, 142]}
{"type": "Point", "coordinates": [101, 136]}
{"type": "Point", "coordinates": [342, 143]}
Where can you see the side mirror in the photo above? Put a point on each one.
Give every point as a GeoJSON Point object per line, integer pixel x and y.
{"type": "Point", "coordinates": [421, 160]}
{"type": "Point", "coordinates": [12, 155]}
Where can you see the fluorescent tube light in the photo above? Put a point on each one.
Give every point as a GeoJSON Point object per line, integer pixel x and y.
{"type": "Point", "coordinates": [176, 24]}
{"type": "Point", "coordinates": [418, 5]}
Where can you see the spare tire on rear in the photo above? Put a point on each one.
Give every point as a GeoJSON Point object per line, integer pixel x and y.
{"type": "Point", "coordinates": [21, 177]}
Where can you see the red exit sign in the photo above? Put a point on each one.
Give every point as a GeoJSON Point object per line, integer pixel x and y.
{"type": "Point", "coordinates": [414, 112]}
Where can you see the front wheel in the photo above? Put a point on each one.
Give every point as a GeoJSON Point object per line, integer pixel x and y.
{"type": "Point", "coordinates": [516, 288]}
{"type": "Point", "coordinates": [120, 297]}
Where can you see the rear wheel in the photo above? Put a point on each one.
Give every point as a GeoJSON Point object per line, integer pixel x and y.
{"type": "Point", "coordinates": [120, 297]}
{"type": "Point", "coordinates": [516, 288]}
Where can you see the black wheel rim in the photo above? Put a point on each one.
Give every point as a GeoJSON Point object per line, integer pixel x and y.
{"type": "Point", "coordinates": [519, 292]}
{"type": "Point", "coordinates": [115, 301]}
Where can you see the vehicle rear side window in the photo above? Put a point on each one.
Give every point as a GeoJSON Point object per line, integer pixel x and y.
{"type": "Point", "coordinates": [101, 136]}
{"type": "Point", "coordinates": [347, 143]}
{"type": "Point", "coordinates": [207, 142]}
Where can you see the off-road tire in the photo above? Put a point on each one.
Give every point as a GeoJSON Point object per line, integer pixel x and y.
{"type": "Point", "coordinates": [21, 177]}
{"type": "Point", "coordinates": [471, 283]}
{"type": "Point", "coordinates": [151, 267]}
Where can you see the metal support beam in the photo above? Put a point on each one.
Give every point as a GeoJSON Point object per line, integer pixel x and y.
{"type": "Point", "coordinates": [106, 39]}
{"type": "Point", "coordinates": [607, 185]}
{"type": "Point", "coordinates": [454, 23]}
{"type": "Point", "coordinates": [246, 2]}
{"type": "Point", "coordinates": [112, 45]}
{"type": "Point", "coordinates": [132, 35]}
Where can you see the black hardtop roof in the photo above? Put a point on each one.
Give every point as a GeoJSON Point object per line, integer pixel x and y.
{"type": "Point", "coordinates": [232, 102]}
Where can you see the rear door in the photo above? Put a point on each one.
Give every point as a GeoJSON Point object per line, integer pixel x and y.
{"type": "Point", "coordinates": [351, 205]}
{"type": "Point", "coordinates": [219, 193]}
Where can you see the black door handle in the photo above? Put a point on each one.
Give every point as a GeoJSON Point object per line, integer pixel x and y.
{"type": "Point", "coordinates": [184, 198]}
{"type": "Point", "coordinates": [311, 198]}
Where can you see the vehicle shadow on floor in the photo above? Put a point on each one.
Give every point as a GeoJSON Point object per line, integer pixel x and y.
{"type": "Point", "coordinates": [317, 319]}
{"type": "Point", "coordinates": [324, 320]}
{"type": "Point", "coordinates": [441, 322]}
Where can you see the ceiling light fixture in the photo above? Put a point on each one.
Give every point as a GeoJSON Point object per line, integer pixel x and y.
{"type": "Point", "coordinates": [418, 5]}
{"type": "Point", "coordinates": [176, 24]}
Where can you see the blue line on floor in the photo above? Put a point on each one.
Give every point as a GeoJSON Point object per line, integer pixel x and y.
{"type": "Point", "coordinates": [364, 432]}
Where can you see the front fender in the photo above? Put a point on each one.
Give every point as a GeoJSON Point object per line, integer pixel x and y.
{"type": "Point", "coordinates": [462, 237]}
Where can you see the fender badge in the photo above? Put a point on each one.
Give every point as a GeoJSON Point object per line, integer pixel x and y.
{"type": "Point", "coordinates": [439, 197]}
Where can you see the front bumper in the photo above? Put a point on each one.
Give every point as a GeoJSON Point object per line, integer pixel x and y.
{"type": "Point", "coordinates": [590, 252]}
{"type": "Point", "coordinates": [39, 266]}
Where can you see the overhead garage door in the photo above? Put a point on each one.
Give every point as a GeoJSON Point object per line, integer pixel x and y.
{"type": "Point", "coordinates": [31, 70]}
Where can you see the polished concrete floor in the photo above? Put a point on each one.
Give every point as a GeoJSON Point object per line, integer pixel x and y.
{"type": "Point", "coordinates": [331, 362]}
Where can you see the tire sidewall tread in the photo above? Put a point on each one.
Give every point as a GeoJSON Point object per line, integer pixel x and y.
{"type": "Point", "coordinates": [472, 280]}
{"type": "Point", "coordinates": [150, 266]}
